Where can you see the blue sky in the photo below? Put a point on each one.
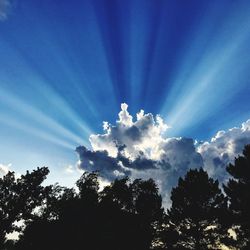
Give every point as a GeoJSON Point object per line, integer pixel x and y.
{"type": "Point", "coordinates": [66, 66]}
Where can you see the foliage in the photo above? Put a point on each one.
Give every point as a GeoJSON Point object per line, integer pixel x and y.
{"type": "Point", "coordinates": [18, 199]}
{"type": "Point", "coordinates": [112, 219]}
{"type": "Point", "coordinates": [126, 214]}
{"type": "Point", "coordinates": [196, 215]}
{"type": "Point", "coordinates": [238, 192]}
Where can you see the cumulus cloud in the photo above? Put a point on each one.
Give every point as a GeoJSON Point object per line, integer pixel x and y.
{"type": "Point", "coordinates": [139, 148]}
{"type": "Point", "coordinates": [5, 6]}
{"type": "Point", "coordinates": [223, 148]}
{"type": "Point", "coordinates": [109, 167]}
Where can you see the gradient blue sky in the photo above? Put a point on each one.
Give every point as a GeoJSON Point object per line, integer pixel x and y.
{"type": "Point", "coordinates": [65, 66]}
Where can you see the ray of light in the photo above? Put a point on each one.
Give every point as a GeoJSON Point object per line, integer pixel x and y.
{"type": "Point", "coordinates": [53, 111]}
{"type": "Point", "coordinates": [211, 82]}
{"type": "Point", "coordinates": [44, 87]}
{"type": "Point", "coordinates": [35, 116]}
{"type": "Point", "coordinates": [66, 68]}
{"type": "Point", "coordinates": [31, 130]}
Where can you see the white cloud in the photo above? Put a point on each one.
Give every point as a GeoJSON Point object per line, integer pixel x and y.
{"type": "Point", "coordinates": [143, 135]}
{"type": "Point", "coordinates": [140, 149]}
{"type": "Point", "coordinates": [124, 117]}
{"type": "Point", "coordinates": [223, 148]}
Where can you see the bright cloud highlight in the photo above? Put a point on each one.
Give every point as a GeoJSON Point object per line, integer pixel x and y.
{"type": "Point", "coordinates": [223, 148]}
{"type": "Point", "coordinates": [139, 148]}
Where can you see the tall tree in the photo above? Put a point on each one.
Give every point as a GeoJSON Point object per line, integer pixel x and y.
{"type": "Point", "coordinates": [238, 192]}
{"type": "Point", "coordinates": [18, 199]}
{"type": "Point", "coordinates": [194, 218]}
{"type": "Point", "coordinates": [133, 209]}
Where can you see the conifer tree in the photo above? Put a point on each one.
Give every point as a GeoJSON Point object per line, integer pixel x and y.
{"type": "Point", "coordinates": [238, 192]}
{"type": "Point", "coordinates": [198, 206]}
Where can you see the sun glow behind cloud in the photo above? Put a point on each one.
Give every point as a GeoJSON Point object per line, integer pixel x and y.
{"type": "Point", "coordinates": [141, 148]}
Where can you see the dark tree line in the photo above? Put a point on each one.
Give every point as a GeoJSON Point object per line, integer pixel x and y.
{"type": "Point", "coordinates": [127, 214]}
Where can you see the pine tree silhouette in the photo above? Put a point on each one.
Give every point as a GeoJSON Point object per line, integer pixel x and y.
{"type": "Point", "coordinates": [238, 192]}
{"type": "Point", "coordinates": [193, 219]}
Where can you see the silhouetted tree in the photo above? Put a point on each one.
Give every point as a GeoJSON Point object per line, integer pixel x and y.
{"type": "Point", "coordinates": [88, 186]}
{"type": "Point", "coordinates": [126, 214]}
{"type": "Point", "coordinates": [9, 245]}
{"type": "Point", "coordinates": [238, 192]}
{"type": "Point", "coordinates": [18, 199]}
{"type": "Point", "coordinates": [121, 217]}
{"type": "Point", "coordinates": [165, 235]}
{"type": "Point", "coordinates": [136, 208]}
{"type": "Point", "coordinates": [194, 218]}
{"type": "Point", "coordinates": [118, 194]}
{"type": "Point", "coordinates": [69, 219]}
{"type": "Point", "coordinates": [147, 201]}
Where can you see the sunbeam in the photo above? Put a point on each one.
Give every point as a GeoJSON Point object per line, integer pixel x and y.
{"type": "Point", "coordinates": [139, 95]}
{"type": "Point", "coordinates": [64, 69]}
{"type": "Point", "coordinates": [210, 83]}
{"type": "Point", "coordinates": [35, 118]}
